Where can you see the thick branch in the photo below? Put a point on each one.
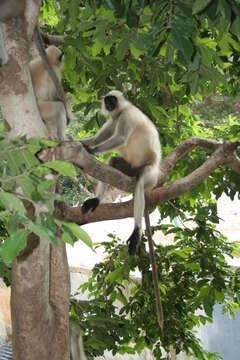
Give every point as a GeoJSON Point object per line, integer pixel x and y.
{"type": "Point", "coordinates": [122, 210]}
{"type": "Point", "coordinates": [75, 153]}
{"type": "Point", "coordinates": [180, 151]}
{"type": "Point", "coordinates": [53, 39]}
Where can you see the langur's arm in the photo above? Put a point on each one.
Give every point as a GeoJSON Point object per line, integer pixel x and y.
{"type": "Point", "coordinates": [103, 134]}
{"type": "Point", "coordinates": [120, 137]}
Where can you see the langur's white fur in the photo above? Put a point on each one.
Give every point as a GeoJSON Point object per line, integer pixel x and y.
{"type": "Point", "coordinates": [132, 134]}
{"type": "Point", "coordinates": [52, 110]}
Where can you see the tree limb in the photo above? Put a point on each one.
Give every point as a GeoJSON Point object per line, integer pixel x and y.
{"type": "Point", "coordinates": [180, 151]}
{"type": "Point", "coordinates": [77, 155]}
{"type": "Point", "coordinates": [220, 156]}
{"type": "Point", "coordinates": [53, 39]}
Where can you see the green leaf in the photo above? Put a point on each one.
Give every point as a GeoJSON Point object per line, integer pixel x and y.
{"type": "Point", "coordinates": [44, 185]}
{"type": "Point", "coordinates": [117, 274]}
{"type": "Point", "coordinates": [97, 47]}
{"type": "Point", "coordinates": [120, 297]}
{"type": "Point", "coordinates": [183, 43]}
{"type": "Point", "coordinates": [11, 202]}
{"type": "Point", "coordinates": [42, 232]}
{"type": "Point", "coordinates": [62, 167]}
{"type": "Point", "coordinates": [236, 248]}
{"type": "Point", "coordinates": [29, 159]}
{"type": "Point", "coordinates": [13, 245]}
{"type": "Point", "coordinates": [27, 186]}
{"type": "Point", "coordinates": [235, 28]}
{"type": "Point", "coordinates": [204, 290]}
{"type": "Point", "coordinates": [122, 49]}
{"type": "Point", "coordinates": [67, 238]}
{"type": "Point", "coordinates": [135, 52]}
{"type": "Point", "coordinates": [199, 6]}
{"type": "Point", "coordinates": [79, 233]}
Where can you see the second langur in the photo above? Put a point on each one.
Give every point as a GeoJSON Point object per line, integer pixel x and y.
{"type": "Point", "coordinates": [134, 136]}
{"type": "Point", "coordinates": [52, 110]}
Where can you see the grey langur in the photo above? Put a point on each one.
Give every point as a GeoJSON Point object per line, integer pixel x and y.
{"type": "Point", "coordinates": [52, 109]}
{"type": "Point", "coordinates": [132, 134]}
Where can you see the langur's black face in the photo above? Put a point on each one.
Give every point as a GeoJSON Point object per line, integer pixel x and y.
{"type": "Point", "coordinates": [110, 102]}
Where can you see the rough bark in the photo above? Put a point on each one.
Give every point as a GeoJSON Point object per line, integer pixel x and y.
{"type": "Point", "coordinates": [17, 101]}
{"type": "Point", "coordinates": [41, 285]}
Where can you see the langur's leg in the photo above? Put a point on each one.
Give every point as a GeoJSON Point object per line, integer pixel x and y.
{"type": "Point", "coordinates": [147, 181]}
{"type": "Point", "coordinates": [92, 204]}
{"type": "Point", "coordinates": [54, 116]}
{"type": "Point", "coordinates": [118, 163]}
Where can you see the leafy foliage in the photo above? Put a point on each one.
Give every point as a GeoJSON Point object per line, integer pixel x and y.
{"type": "Point", "coordinates": [23, 182]}
{"type": "Point", "coordinates": [167, 56]}
{"type": "Point", "coordinates": [193, 274]}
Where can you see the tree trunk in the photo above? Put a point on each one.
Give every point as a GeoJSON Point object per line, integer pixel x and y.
{"type": "Point", "coordinates": [41, 284]}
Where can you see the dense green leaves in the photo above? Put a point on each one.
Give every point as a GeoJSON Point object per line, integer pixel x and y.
{"type": "Point", "coordinates": [179, 62]}
{"type": "Point", "coordinates": [193, 275]}
{"type": "Point", "coordinates": [23, 185]}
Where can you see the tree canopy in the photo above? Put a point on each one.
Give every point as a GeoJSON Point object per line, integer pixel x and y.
{"type": "Point", "coordinates": [178, 61]}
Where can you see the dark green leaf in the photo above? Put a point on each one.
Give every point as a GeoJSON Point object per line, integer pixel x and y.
{"type": "Point", "coordinates": [11, 202]}
{"type": "Point", "coordinates": [200, 5]}
{"type": "Point", "coordinates": [13, 245]}
{"type": "Point", "coordinates": [62, 167]}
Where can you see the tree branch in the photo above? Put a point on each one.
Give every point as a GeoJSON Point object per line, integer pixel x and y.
{"type": "Point", "coordinates": [220, 156]}
{"type": "Point", "coordinates": [77, 155]}
{"type": "Point", "coordinates": [53, 39]}
{"type": "Point", "coordinates": [180, 151]}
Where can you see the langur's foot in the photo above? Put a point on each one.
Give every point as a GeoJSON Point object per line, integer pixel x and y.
{"type": "Point", "coordinates": [90, 204]}
{"type": "Point", "coordinates": [133, 241]}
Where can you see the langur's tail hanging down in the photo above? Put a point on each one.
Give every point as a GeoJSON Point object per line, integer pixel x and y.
{"type": "Point", "coordinates": [154, 270]}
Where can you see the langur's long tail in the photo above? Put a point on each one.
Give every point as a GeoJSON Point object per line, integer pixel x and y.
{"type": "Point", "coordinates": [154, 271]}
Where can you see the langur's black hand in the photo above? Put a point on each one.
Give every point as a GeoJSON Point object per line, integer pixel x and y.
{"type": "Point", "coordinates": [90, 204]}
